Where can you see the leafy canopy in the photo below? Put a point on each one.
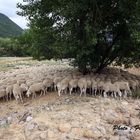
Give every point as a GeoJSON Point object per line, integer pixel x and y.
{"type": "Point", "coordinates": [96, 33]}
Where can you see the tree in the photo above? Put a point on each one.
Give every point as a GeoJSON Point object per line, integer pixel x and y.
{"type": "Point", "coordinates": [9, 47]}
{"type": "Point", "coordinates": [93, 32]}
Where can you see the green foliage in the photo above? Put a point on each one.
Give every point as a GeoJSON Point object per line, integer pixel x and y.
{"type": "Point", "coordinates": [17, 46]}
{"type": "Point", "coordinates": [24, 42]}
{"type": "Point", "coordinates": [8, 48]}
{"type": "Point", "coordinates": [93, 32]}
{"type": "Point", "coordinates": [8, 28]}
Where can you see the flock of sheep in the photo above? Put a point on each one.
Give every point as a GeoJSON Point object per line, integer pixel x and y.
{"type": "Point", "coordinates": [26, 82]}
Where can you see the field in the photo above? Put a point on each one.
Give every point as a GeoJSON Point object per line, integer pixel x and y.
{"type": "Point", "coordinates": [69, 117]}
{"type": "Point", "coordinates": [7, 63]}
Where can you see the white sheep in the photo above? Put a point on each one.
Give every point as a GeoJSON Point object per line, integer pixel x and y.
{"type": "Point", "coordinates": [56, 80]}
{"type": "Point", "coordinates": [37, 87]}
{"type": "Point", "coordinates": [73, 83]}
{"type": "Point", "coordinates": [94, 87]}
{"type": "Point", "coordinates": [2, 93]}
{"type": "Point", "coordinates": [89, 84]}
{"type": "Point", "coordinates": [9, 91]}
{"type": "Point", "coordinates": [124, 86]}
{"type": "Point", "coordinates": [48, 83]}
{"type": "Point", "coordinates": [24, 88]}
{"type": "Point", "coordinates": [82, 84]}
{"type": "Point", "coordinates": [63, 85]}
{"type": "Point", "coordinates": [17, 92]}
{"type": "Point", "coordinates": [109, 87]}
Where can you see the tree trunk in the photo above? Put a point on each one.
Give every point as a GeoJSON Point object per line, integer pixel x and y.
{"type": "Point", "coordinates": [100, 68]}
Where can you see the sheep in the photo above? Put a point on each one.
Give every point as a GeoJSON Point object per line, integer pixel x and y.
{"type": "Point", "coordinates": [9, 91]}
{"type": "Point", "coordinates": [82, 84]}
{"type": "Point", "coordinates": [24, 88]}
{"type": "Point", "coordinates": [2, 93]}
{"type": "Point", "coordinates": [17, 92]}
{"type": "Point", "coordinates": [89, 84]}
{"type": "Point", "coordinates": [109, 87]}
{"type": "Point", "coordinates": [73, 83]}
{"type": "Point", "coordinates": [48, 83]}
{"type": "Point", "coordinates": [56, 80]}
{"type": "Point", "coordinates": [63, 85]}
{"type": "Point", "coordinates": [100, 85]}
{"type": "Point", "coordinates": [37, 87]}
{"type": "Point", "coordinates": [94, 87]}
{"type": "Point", "coordinates": [124, 86]}
{"type": "Point", "coordinates": [29, 82]}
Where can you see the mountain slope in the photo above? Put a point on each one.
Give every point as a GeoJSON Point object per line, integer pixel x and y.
{"type": "Point", "coordinates": [8, 27]}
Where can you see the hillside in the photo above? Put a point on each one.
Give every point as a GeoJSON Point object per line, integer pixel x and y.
{"type": "Point", "coordinates": [8, 27]}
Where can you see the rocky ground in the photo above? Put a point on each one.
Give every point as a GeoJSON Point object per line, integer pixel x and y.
{"type": "Point", "coordinates": [69, 118]}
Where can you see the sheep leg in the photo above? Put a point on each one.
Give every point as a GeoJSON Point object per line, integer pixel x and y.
{"type": "Point", "coordinates": [81, 92]}
{"type": "Point", "coordinates": [125, 94]}
{"type": "Point", "coordinates": [33, 95]}
{"type": "Point", "coordinates": [55, 87]}
{"type": "Point", "coordinates": [41, 93]}
{"type": "Point", "coordinates": [20, 97]}
{"type": "Point", "coordinates": [105, 94]}
{"type": "Point", "coordinates": [51, 88]}
{"type": "Point", "coordinates": [71, 90]}
{"type": "Point", "coordinates": [115, 95]}
{"type": "Point", "coordinates": [93, 91]}
{"type": "Point", "coordinates": [120, 94]}
{"type": "Point", "coordinates": [7, 97]}
{"type": "Point", "coordinates": [59, 92]}
{"type": "Point", "coordinates": [89, 90]}
{"type": "Point", "coordinates": [44, 92]}
{"type": "Point", "coordinates": [10, 95]}
{"type": "Point", "coordinates": [84, 90]}
{"type": "Point", "coordinates": [65, 91]}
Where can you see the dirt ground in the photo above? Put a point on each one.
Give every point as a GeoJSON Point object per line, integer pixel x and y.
{"type": "Point", "coordinates": [67, 117]}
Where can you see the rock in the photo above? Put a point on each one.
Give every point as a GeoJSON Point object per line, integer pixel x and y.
{"type": "Point", "coordinates": [88, 133]}
{"type": "Point", "coordinates": [42, 127]}
{"type": "Point", "coordinates": [29, 118]}
{"type": "Point", "coordinates": [27, 132]}
{"type": "Point", "coordinates": [134, 121]}
{"type": "Point", "coordinates": [114, 138]}
{"type": "Point", "coordinates": [77, 131]}
{"type": "Point", "coordinates": [103, 138]}
{"type": "Point", "coordinates": [30, 127]}
{"type": "Point", "coordinates": [64, 127]}
{"type": "Point", "coordinates": [3, 122]}
{"type": "Point", "coordinates": [101, 129]}
{"type": "Point", "coordinates": [35, 136]}
{"type": "Point", "coordinates": [50, 134]}
{"type": "Point", "coordinates": [43, 136]}
{"type": "Point", "coordinates": [124, 103]}
{"type": "Point", "coordinates": [123, 138]}
{"type": "Point", "coordinates": [23, 117]}
{"type": "Point", "coordinates": [136, 135]}
{"type": "Point", "coordinates": [9, 119]}
{"type": "Point", "coordinates": [110, 116]}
